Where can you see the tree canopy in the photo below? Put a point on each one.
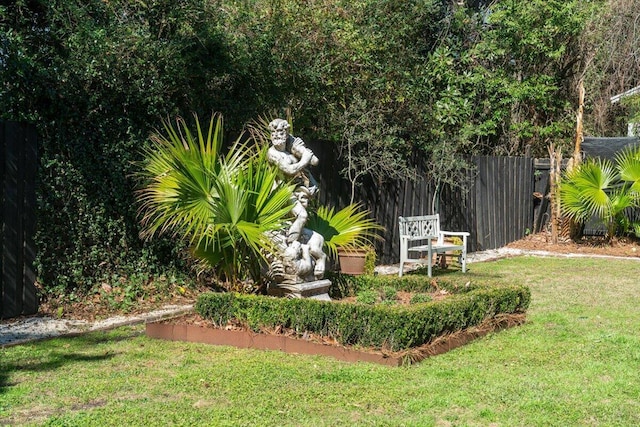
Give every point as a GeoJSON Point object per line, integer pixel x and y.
{"type": "Point", "coordinates": [451, 79]}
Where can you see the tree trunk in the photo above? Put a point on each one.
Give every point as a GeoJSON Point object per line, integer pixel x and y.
{"type": "Point", "coordinates": [555, 158]}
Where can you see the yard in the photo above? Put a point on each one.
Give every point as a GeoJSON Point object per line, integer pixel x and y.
{"type": "Point", "coordinates": [575, 362]}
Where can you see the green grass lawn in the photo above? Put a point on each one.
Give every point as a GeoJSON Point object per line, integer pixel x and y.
{"type": "Point", "coordinates": [576, 362]}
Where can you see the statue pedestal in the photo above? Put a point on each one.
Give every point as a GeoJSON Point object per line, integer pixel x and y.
{"type": "Point", "coordinates": [318, 289]}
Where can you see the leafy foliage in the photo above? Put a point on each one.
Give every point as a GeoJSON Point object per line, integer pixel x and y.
{"type": "Point", "coordinates": [223, 206]}
{"type": "Point", "coordinates": [347, 228]}
{"type": "Point", "coordinates": [598, 188]}
{"type": "Point", "coordinates": [445, 81]}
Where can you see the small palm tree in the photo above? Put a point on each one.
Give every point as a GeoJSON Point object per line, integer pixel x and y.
{"type": "Point", "coordinates": [628, 163]}
{"type": "Point", "coordinates": [604, 190]}
{"type": "Point", "coordinates": [349, 228]}
{"type": "Point", "coordinates": [222, 205]}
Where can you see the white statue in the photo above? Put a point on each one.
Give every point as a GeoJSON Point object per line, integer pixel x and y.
{"type": "Point", "coordinates": [301, 248]}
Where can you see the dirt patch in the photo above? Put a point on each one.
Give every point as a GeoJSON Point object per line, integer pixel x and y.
{"type": "Point", "coordinates": [108, 303]}
{"type": "Point", "coordinates": [592, 245]}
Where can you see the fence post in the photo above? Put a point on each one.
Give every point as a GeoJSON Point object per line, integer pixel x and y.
{"type": "Point", "coordinates": [18, 168]}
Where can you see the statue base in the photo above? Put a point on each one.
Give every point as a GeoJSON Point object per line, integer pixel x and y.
{"type": "Point", "coordinates": [318, 289]}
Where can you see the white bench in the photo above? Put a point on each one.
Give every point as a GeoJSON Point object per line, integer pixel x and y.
{"type": "Point", "coordinates": [415, 230]}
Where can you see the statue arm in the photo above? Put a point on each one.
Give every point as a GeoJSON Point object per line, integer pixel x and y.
{"type": "Point", "coordinates": [300, 150]}
{"type": "Point", "coordinates": [290, 168]}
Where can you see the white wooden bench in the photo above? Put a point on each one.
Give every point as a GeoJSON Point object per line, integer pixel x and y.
{"type": "Point", "coordinates": [422, 234]}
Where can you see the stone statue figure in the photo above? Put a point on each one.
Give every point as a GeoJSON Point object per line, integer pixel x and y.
{"type": "Point", "coordinates": [302, 259]}
{"type": "Point", "coordinates": [293, 158]}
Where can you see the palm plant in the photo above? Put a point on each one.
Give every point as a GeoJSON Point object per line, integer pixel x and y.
{"type": "Point", "coordinates": [628, 162]}
{"type": "Point", "coordinates": [349, 228]}
{"type": "Point", "coordinates": [604, 190]}
{"type": "Point", "coordinates": [222, 205]}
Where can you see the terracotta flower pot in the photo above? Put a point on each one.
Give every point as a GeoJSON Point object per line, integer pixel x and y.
{"type": "Point", "coordinates": [352, 261]}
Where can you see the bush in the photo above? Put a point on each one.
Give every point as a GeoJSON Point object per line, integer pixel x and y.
{"type": "Point", "coordinates": [393, 327]}
{"type": "Point", "coordinates": [97, 78]}
{"type": "Point", "coordinates": [420, 298]}
{"type": "Point", "coordinates": [444, 93]}
{"type": "Point", "coordinates": [367, 296]}
{"type": "Point", "coordinates": [389, 293]}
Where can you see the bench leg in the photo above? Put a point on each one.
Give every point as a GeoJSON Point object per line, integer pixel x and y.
{"type": "Point", "coordinates": [463, 260]}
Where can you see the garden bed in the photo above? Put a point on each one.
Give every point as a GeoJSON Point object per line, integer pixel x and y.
{"type": "Point", "coordinates": [383, 329]}
{"type": "Point", "coordinates": [195, 329]}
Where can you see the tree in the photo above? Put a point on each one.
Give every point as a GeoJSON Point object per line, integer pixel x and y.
{"type": "Point", "coordinates": [447, 80]}
{"type": "Point", "coordinates": [528, 63]}
{"type": "Point", "coordinates": [611, 47]}
{"type": "Point", "coordinates": [370, 146]}
{"type": "Point", "coordinates": [96, 78]}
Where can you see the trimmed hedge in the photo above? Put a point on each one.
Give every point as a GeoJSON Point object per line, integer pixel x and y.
{"type": "Point", "coordinates": [346, 285]}
{"type": "Point", "coordinates": [392, 327]}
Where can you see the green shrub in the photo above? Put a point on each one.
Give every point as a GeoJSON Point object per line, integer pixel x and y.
{"type": "Point", "coordinates": [420, 298]}
{"type": "Point", "coordinates": [95, 109]}
{"type": "Point", "coordinates": [370, 261]}
{"type": "Point", "coordinates": [367, 296]}
{"type": "Point", "coordinates": [389, 293]}
{"type": "Point", "coordinates": [389, 326]}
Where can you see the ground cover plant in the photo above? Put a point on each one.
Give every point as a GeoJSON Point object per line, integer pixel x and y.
{"type": "Point", "coordinates": [574, 362]}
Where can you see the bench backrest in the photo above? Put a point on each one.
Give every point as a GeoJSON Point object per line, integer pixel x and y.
{"type": "Point", "coordinates": [420, 226]}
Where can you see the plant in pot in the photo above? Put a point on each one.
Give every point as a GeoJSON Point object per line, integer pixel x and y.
{"type": "Point", "coordinates": [348, 234]}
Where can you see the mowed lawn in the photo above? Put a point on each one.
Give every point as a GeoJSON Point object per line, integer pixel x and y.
{"type": "Point", "coordinates": [576, 362]}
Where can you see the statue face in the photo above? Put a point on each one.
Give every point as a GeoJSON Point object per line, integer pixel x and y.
{"type": "Point", "coordinates": [279, 138]}
{"type": "Point", "coordinates": [279, 133]}
{"type": "Point", "coordinates": [304, 199]}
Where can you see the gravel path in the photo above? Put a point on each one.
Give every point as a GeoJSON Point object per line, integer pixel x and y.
{"type": "Point", "coordinates": [34, 328]}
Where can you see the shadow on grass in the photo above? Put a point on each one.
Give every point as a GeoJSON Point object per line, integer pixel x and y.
{"type": "Point", "coordinates": [48, 362]}
{"type": "Point", "coordinates": [51, 354]}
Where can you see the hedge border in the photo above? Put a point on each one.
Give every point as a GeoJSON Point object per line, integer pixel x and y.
{"type": "Point", "coordinates": [388, 327]}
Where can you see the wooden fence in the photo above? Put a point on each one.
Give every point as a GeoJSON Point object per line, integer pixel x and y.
{"type": "Point", "coordinates": [495, 203]}
{"type": "Point", "coordinates": [18, 168]}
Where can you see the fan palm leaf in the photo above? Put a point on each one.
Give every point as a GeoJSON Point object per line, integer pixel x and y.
{"type": "Point", "coordinates": [348, 228]}
{"type": "Point", "coordinates": [628, 164]}
{"type": "Point", "coordinates": [224, 206]}
{"type": "Point", "coordinates": [584, 190]}
{"type": "Point", "coordinates": [180, 170]}
{"type": "Point", "coordinates": [250, 205]}
{"type": "Point", "coordinates": [597, 188]}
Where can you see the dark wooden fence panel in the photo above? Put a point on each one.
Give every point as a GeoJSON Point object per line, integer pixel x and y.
{"type": "Point", "coordinates": [541, 188]}
{"type": "Point", "coordinates": [18, 168]}
{"type": "Point", "coordinates": [502, 211]}
{"type": "Point", "coordinates": [495, 204]}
